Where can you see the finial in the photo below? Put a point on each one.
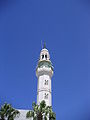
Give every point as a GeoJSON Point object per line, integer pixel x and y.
{"type": "Point", "coordinates": [44, 46]}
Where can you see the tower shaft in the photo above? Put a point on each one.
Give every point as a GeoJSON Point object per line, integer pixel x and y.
{"type": "Point", "coordinates": [44, 74]}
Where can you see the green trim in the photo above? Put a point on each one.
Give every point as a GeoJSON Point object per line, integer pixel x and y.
{"type": "Point", "coordinates": [45, 63]}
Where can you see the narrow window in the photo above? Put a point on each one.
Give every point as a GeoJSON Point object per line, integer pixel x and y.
{"type": "Point", "coordinates": [42, 56]}
{"type": "Point", "coordinates": [46, 96]}
{"type": "Point", "coordinates": [46, 57]}
{"type": "Point", "coordinates": [46, 82]}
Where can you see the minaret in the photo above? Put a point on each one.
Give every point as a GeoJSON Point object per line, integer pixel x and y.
{"type": "Point", "coordinates": [44, 74]}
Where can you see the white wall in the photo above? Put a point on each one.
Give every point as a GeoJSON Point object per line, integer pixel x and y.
{"type": "Point", "coordinates": [23, 115]}
{"type": "Point", "coordinates": [44, 89]}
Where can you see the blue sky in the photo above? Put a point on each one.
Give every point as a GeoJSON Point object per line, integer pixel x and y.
{"type": "Point", "coordinates": [65, 26]}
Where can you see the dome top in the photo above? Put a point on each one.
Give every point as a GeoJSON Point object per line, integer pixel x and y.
{"type": "Point", "coordinates": [44, 55]}
{"type": "Point", "coordinates": [44, 59]}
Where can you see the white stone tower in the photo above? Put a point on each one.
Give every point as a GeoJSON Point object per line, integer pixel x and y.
{"type": "Point", "coordinates": [44, 74]}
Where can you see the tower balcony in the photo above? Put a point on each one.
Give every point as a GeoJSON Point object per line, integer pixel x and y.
{"type": "Point", "coordinates": [44, 69]}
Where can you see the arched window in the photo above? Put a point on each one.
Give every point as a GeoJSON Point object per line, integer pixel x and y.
{"type": "Point", "coordinates": [46, 82]}
{"type": "Point", "coordinates": [42, 56]}
{"type": "Point", "coordinates": [46, 56]}
{"type": "Point", "coordinates": [46, 96]}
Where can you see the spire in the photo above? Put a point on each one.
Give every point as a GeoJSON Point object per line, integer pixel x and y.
{"type": "Point", "coordinates": [44, 46]}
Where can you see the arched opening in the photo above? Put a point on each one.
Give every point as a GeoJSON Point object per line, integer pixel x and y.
{"type": "Point", "coordinates": [42, 56]}
{"type": "Point", "coordinates": [46, 56]}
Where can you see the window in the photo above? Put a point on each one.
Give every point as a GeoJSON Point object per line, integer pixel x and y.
{"type": "Point", "coordinates": [46, 56]}
{"type": "Point", "coordinates": [46, 82]}
{"type": "Point", "coordinates": [42, 56]}
{"type": "Point", "coordinates": [46, 96]}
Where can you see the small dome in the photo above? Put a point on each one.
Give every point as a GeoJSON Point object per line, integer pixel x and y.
{"type": "Point", "coordinates": [44, 55]}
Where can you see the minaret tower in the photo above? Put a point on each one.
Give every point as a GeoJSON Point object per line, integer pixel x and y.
{"type": "Point", "coordinates": [44, 74]}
